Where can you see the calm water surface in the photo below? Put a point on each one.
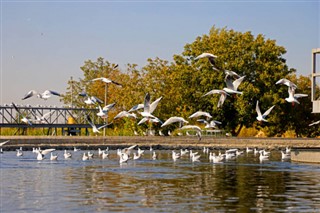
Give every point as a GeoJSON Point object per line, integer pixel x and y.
{"type": "Point", "coordinates": [146, 185]}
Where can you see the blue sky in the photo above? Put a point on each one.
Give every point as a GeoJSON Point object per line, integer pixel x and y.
{"type": "Point", "coordinates": [44, 43]}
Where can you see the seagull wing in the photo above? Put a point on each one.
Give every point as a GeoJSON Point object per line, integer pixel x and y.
{"type": "Point", "coordinates": [222, 98]}
{"type": "Point", "coordinates": [214, 91]}
{"type": "Point", "coordinates": [95, 100]}
{"type": "Point", "coordinates": [4, 142]}
{"type": "Point", "coordinates": [258, 109]}
{"type": "Point", "coordinates": [268, 111]}
{"type": "Point", "coordinates": [29, 94]}
{"type": "Point", "coordinates": [46, 114]}
{"type": "Point", "coordinates": [173, 120]}
{"type": "Point", "coordinates": [136, 107]}
{"type": "Point", "coordinates": [15, 107]}
{"type": "Point", "coordinates": [205, 55]}
{"type": "Point", "coordinates": [146, 107]}
{"type": "Point", "coordinates": [231, 73]}
{"type": "Point", "coordinates": [53, 92]}
{"type": "Point", "coordinates": [154, 105]}
{"type": "Point", "coordinates": [194, 127]}
{"type": "Point", "coordinates": [237, 82]}
{"type": "Point", "coordinates": [300, 95]}
{"type": "Point", "coordinates": [287, 82]}
{"type": "Point", "coordinates": [103, 126]}
{"type": "Point", "coordinates": [98, 79]}
{"type": "Point", "coordinates": [108, 107]}
{"type": "Point", "coordinates": [143, 120]}
{"type": "Point", "coordinates": [46, 151]}
{"type": "Point", "coordinates": [90, 122]}
{"type": "Point", "coordinates": [229, 82]}
{"type": "Point", "coordinates": [314, 123]}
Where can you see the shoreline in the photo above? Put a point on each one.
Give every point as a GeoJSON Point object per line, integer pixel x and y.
{"type": "Point", "coordinates": [157, 142]}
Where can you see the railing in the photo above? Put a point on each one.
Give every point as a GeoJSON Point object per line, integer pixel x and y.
{"type": "Point", "coordinates": [58, 117]}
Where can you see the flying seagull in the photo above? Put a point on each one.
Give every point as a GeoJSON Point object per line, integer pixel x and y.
{"type": "Point", "coordinates": [174, 119]}
{"type": "Point", "coordinates": [200, 113]}
{"type": "Point", "coordinates": [231, 73]}
{"type": "Point", "coordinates": [24, 119]}
{"type": "Point", "coordinates": [153, 106]}
{"type": "Point", "coordinates": [209, 125]}
{"type": "Point", "coordinates": [223, 95]}
{"type": "Point", "coordinates": [42, 119]}
{"type": "Point", "coordinates": [125, 114]}
{"type": "Point", "coordinates": [147, 108]}
{"type": "Point", "coordinates": [211, 58]}
{"type": "Point", "coordinates": [45, 95]}
{"type": "Point", "coordinates": [287, 83]}
{"type": "Point", "coordinates": [193, 127]}
{"type": "Point", "coordinates": [232, 86]}
{"type": "Point", "coordinates": [103, 112]}
{"type": "Point", "coordinates": [107, 81]}
{"type": "Point", "coordinates": [293, 98]}
{"type": "Point", "coordinates": [96, 129]}
{"type": "Point", "coordinates": [261, 117]}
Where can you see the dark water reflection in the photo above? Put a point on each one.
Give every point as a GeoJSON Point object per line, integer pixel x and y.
{"type": "Point", "coordinates": [241, 185]}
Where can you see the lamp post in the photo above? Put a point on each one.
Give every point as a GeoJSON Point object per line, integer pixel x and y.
{"type": "Point", "coordinates": [106, 101]}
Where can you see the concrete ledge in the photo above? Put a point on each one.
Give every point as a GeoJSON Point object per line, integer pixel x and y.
{"type": "Point", "coordinates": [62, 142]}
{"type": "Point", "coordinates": [305, 155]}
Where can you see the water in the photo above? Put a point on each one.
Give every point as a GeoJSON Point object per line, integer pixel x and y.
{"type": "Point", "coordinates": [145, 185]}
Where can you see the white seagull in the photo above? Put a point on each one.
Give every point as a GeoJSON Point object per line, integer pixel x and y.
{"type": "Point", "coordinates": [293, 98]}
{"type": "Point", "coordinates": [53, 157]}
{"type": "Point", "coordinates": [261, 117]}
{"type": "Point", "coordinates": [211, 58]}
{"type": "Point", "coordinates": [194, 127]}
{"type": "Point", "coordinates": [123, 158]}
{"type": "Point", "coordinates": [174, 119]}
{"type": "Point", "coordinates": [43, 118]}
{"type": "Point", "coordinates": [223, 95]}
{"type": "Point", "coordinates": [209, 124]}
{"type": "Point", "coordinates": [96, 129]}
{"type": "Point", "coordinates": [107, 81]}
{"type": "Point", "coordinates": [287, 82]}
{"type": "Point", "coordinates": [125, 114]}
{"type": "Point", "coordinates": [232, 86]}
{"type": "Point", "coordinates": [45, 95]}
{"type": "Point", "coordinates": [103, 112]}
{"type": "Point", "coordinates": [24, 119]}
{"type": "Point", "coordinates": [41, 153]}
{"type": "Point", "coordinates": [146, 107]}
{"type": "Point", "coordinates": [232, 73]}
{"type": "Point", "coordinates": [67, 154]}
{"type": "Point", "coordinates": [92, 100]}
{"type": "Point", "coordinates": [4, 142]}
{"type": "Point", "coordinates": [200, 113]}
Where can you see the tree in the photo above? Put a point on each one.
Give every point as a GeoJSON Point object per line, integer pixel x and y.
{"type": "Point", "coordinates": [259, 59]}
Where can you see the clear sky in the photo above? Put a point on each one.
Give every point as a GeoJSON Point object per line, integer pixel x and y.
{"type": "Point", "coordinates": [44, 43]}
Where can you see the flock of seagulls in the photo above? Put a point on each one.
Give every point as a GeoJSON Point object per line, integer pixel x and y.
{"type": "Point", "coordinates": [146, 109]}
{"type": "Point", "coordinates": [134, 152]}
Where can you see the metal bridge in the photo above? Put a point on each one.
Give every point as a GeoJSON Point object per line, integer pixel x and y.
{"type": "Point", "coordinates": [70, 120]}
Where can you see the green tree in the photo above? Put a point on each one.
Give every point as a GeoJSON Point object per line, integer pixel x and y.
{"type": "Point", "coordinates": [259, 59]}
